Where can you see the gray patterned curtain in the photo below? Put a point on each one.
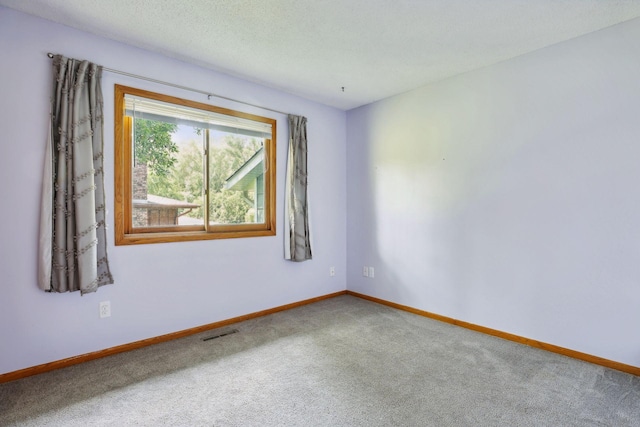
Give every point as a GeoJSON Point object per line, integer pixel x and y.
{"type": "Point", "coordinates": [297, 241]}
{"type": "Point", "coordinates": [73, 248]}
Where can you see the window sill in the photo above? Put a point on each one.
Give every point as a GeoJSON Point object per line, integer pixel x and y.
{"type": "Point", "coordinates": [169, 237]}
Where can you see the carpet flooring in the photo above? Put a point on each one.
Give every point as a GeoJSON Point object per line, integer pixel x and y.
{"type": "Point", "coordinates": [339, 362]}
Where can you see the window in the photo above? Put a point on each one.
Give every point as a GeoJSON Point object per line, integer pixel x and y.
{"type": "Point", "coordinates": [190, 171]}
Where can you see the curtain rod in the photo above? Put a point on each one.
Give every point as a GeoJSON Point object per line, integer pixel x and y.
{"type": "Point", "coordinates": [209, 94]}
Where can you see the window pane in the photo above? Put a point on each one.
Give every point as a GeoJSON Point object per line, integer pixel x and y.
{"type": "Point", "coordinates": [167, 174]}
{"type": "Point", "coordinates": [236, 179]}
{"type": "Point", "coordinates": [187, 171]}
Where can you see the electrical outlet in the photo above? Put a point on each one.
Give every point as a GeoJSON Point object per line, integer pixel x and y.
{"type": "Point", "coordinates": [365, 271]}
{"type": "Point", "coordinates": [105, 309]}
{"type": "Point", "coordinates": [371, 272]}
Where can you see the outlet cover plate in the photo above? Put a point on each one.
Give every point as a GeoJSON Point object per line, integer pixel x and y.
{"type": "Point", "coordinates": [105, 309]}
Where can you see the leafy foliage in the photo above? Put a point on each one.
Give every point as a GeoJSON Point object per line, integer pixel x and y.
{"type": "Point", "coordinates": [154, 146]}
{"type": "Point", "coordinates": [185, 180]}
{"type": "Point", "coordinates": [179, 174]}
{"type": "Point", "coordinates": [229, 207]}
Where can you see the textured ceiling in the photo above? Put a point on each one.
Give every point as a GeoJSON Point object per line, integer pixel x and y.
{"type": "Point", "coordinates": [312, 48]}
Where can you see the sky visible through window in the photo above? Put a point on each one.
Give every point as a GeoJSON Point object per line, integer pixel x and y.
{"type": "Point", "coordinates": [186, 134]}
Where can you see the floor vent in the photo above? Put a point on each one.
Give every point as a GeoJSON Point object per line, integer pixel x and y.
{"type": "Point", "coordinates": [233, 331]}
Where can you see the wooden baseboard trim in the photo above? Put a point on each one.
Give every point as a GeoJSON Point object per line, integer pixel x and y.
{"type": "Point", "coordinates": [39, 369]}
{"type": "Point", "coordinates": [634, 370]}
{"type": "Point", "coordinates": [75, 360]}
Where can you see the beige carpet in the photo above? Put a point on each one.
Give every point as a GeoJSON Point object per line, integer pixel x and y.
{"type": "Point", "coordinates": [339, 362]}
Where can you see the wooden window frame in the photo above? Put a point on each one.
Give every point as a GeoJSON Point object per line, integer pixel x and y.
{"type": "Point", "coordinates": [126, 234]}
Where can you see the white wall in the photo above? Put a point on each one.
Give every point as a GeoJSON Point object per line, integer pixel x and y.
{"type": "Point", "coordinates": [159, 288]}
{"type": "Point", "coordinates": [509, 197]}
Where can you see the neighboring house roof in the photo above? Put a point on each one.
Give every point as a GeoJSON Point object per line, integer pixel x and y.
{"type": "Point", "coordinates": [154, 201]}
{"type": "Point", "coordinates": [244, 178]}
